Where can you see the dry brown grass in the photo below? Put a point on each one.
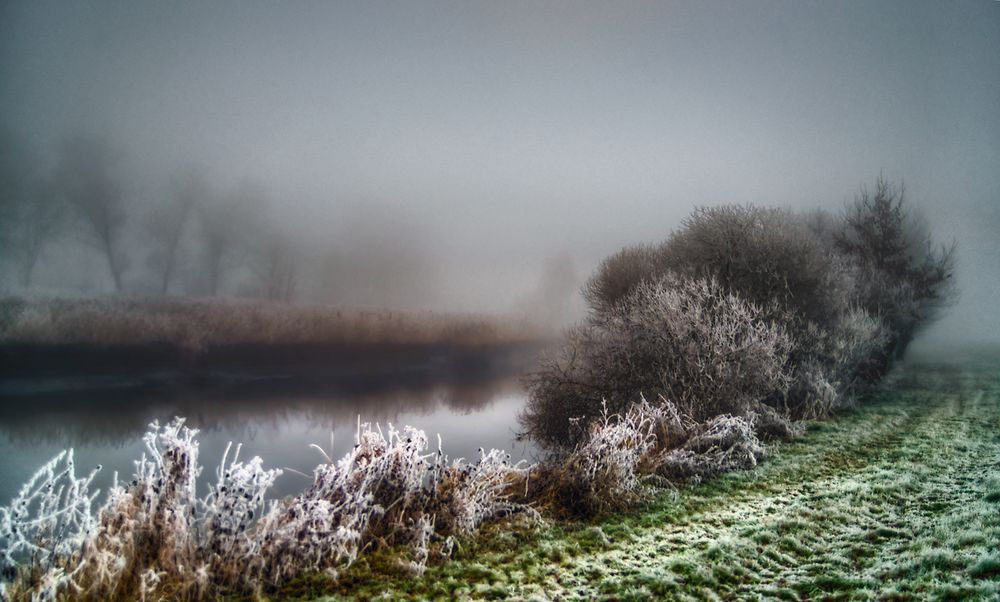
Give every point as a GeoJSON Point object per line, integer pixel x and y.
{"type": "Point", "coordinates": [200, 323]}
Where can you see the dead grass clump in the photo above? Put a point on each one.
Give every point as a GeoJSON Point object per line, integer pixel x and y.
{"type": "Point", "coordinates": [722, 444]}
{"type": "Point", "coordinates": [468, 495]}
{"type": "Point", "coordinates": [196, 324]}
{"type": "Point", "coordinates": [387, 491]}
{"type": "Point", "coordinates": [771, 425]}
{"type": "Point", "coordinates": [604, 472]}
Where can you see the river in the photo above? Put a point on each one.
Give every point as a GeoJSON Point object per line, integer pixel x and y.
{"type": "Point", "coordinates": [274, 420]}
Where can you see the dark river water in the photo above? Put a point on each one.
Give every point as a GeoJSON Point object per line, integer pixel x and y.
{"type": "Point", "coordinates": [274, 422]}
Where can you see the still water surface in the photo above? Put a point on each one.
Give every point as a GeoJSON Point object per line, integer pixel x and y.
{"type": "Point", "coordinates": [277, 425]}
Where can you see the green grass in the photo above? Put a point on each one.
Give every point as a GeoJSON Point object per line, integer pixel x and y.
{"type": "Point", "coordinates": [897, 500]}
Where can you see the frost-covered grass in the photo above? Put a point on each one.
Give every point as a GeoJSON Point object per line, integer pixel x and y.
{"type": "Point", "coordinates": [197, 322]}
{"type": "Point", "coordinates": [898, 499]}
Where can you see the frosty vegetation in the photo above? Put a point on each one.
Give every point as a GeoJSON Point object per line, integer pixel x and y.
{"type": "Point", "coordinates": [696, 352]}
{"type": "Point", "coordinates": [154, 538]}
{"type": "Point", "coordinates": [759, 315]}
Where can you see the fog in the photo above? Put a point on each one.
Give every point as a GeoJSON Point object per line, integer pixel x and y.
{"type": "Point", "coordinates": [484, 156]}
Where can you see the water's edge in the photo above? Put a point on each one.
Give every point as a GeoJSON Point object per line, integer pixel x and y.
{"type": "Point", "coordinates": [32, 369]}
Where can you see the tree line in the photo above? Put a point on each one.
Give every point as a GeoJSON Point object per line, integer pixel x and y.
{"type": "Point", "coordinates": [194, 239]}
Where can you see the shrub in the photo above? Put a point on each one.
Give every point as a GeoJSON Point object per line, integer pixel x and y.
{"type": "Point", "coordinates": [688, 340]}
{"type": "Point", "coordinates": [906, 279]}
{"type": "Point", "coordinates": [830, 363]}
{"type": "Point", "coordinates": [619, 274]}
{"type": "Point", "coordinates": [767, 256]}
{"type": "Point", "coordinates": [770, 257]}
{"type": "Point", "coordinates": [842, 316]}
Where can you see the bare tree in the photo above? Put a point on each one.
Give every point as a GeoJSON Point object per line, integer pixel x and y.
{"type": "Point", "coordinates": [227, 228]}
{"type": "Point", "coordinates": [549, 304]}
{"type": "Point", "coordinates": [31, 211]}
{"type": "Point", "coordinates": [277, 266]}
{"type": "Point", "coordinates": [11, 185]}
{"type": "Point", "coordinates": [84, 175]}
{"type": "Point", "coordinates": [168, 220]}
{"type": "Point", "coordinates": [37, 220]}
{"type": "Point", "coordinates": [271, 249]}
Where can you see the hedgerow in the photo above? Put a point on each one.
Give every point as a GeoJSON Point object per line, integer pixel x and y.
{"type": "Point", "coordinates": [745, 307]}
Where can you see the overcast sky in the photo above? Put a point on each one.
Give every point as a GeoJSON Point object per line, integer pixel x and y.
{"type": "Point", "coordinates": [500, 134]}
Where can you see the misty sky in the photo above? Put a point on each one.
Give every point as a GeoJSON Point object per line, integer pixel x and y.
{"type": "Point", "coordinates": [494, 136]}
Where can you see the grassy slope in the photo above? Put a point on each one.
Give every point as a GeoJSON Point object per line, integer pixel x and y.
{"type": "Point", "coordinates": [897, 500]}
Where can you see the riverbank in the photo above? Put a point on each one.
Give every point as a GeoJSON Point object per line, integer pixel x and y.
{"type": "Point", "coordinates": [896, 499]}
{"type": "Point", "coordinates": [77, 345]}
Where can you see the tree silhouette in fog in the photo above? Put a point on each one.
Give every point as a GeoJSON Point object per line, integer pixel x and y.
{"type": "Point", "coordinates": [167, 222]}
{"type": "Point", "coordinates": [32, 212]}
{"type": "Point", "coordinates": [84, 175]}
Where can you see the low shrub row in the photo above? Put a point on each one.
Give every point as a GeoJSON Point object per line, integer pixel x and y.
{"type": "Point", "coordinates": [746, 311]}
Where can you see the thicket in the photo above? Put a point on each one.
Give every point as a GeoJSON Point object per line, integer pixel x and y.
{"type": "Point", "coordinates": [687, 340]}
{"type": "Point", "coordinates": [749, 312]}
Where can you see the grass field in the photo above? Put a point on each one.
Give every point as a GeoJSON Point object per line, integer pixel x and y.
{"type": "Point", "coordinates": [897, 500]}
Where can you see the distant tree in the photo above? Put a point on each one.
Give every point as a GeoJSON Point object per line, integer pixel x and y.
{"type": "Point", "coordinates": [219, 237]}
{"type": "Point", "coordinates": [905, 277]}
{"type": "Point", "coordinates": [31, 210]}
{"type": "Point", "coordinates": [84, 175]}
{"type": "Point", "coordinates": [168, 220]}
{"type": "Point", "coordinates": [276, 266]}
{"type": "Point", "coordinates": [228, 231]}
{"type": "Point", "coordinates": [37, 221]}
{"type": "Point", "coordinates": [272, 252]}
{"type": "Point", "coordinates": [549, 305]}
{"type": "Point", "coordinates": [11, 185]}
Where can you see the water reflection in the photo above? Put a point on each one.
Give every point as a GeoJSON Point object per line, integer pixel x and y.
{"type": "Point", "coordinates": [275, 420]}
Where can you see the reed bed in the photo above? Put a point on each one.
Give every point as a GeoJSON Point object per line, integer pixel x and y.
{"type": "Point", "coordinates": [194, 323]}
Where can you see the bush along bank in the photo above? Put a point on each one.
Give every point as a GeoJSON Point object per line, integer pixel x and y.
{"type": "Point", "coordinates": [759, 314]}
